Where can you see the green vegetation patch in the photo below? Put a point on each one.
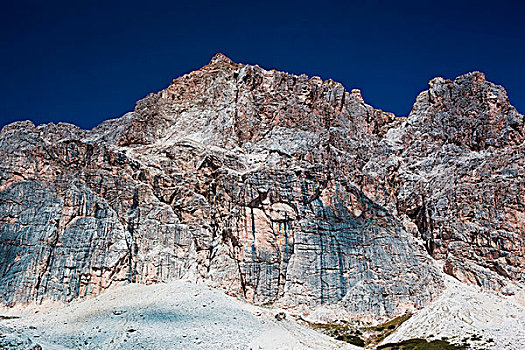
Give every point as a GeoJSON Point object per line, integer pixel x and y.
{"type": "Point", "coordinates": [360, 336]}
{"type": "Point", "coordinates": [422, 344]}
{"type": "Point", "coordinates": [340, 331]}
{"type": "Point", "coordinates": [380, 332]}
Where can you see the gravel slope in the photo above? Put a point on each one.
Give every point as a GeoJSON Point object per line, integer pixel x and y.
{"type": "Point", "coordinates": [176, 315]}
{"type": "Point", "coordinates": [464, 311]}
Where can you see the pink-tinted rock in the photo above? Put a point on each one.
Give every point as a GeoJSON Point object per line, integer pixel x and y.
{"type": "Point", "coordinates": [274, 187]}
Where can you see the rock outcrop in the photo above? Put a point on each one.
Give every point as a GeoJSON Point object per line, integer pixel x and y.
{"type": "Point", "coordinates": [460, 179]}
{"type": "Point", "coordinates": [278, 188]}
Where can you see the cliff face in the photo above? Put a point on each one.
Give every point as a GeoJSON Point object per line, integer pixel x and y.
{"type": "Point", "coordinates": [278, 188]}
{"type": "Point", "coordinates": [462, 179]}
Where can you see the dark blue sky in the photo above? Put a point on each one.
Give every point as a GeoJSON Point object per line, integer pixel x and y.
{"type": "Point", "coordinates": [86, 62]}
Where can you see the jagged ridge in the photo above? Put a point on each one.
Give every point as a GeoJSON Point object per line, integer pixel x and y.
{"type": "Point", "coordinates": [275, 187]}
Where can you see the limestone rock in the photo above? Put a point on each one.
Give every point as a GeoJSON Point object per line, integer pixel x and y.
{"type": "Point", "coordinates": [274, 187]}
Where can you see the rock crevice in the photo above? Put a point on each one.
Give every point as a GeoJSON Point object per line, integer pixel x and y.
{"type": "Point", "coordinates": [277, 188]}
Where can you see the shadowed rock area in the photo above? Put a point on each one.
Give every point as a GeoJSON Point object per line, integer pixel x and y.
{"type": "Point", "coordinates": [280, 189]}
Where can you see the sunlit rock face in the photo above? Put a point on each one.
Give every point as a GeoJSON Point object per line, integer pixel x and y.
{"type": "Point", "coordinates": [460, 179]}
{"type": "Point", "coordinates": [276, 188]}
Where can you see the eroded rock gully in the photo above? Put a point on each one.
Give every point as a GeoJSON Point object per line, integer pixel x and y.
{"type": "Point", "coordinates": [278, 188]}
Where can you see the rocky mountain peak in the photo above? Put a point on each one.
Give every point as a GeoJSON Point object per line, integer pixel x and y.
{"type": "Point", "coordinates": [275, 187]}
{"type": "Point", "coordinates": [221, 58]}
{"type": "Point", "coordinates": [469, 112]}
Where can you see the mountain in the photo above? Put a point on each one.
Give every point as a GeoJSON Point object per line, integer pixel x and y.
{"type": "Point", "coordinates": [282, 190]}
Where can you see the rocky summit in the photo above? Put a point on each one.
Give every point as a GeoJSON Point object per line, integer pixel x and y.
{"type": "Point", "coordinates": [279, 189]}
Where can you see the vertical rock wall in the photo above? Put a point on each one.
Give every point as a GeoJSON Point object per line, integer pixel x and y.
{"type": "Point", "coordinates": [277, 188]}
